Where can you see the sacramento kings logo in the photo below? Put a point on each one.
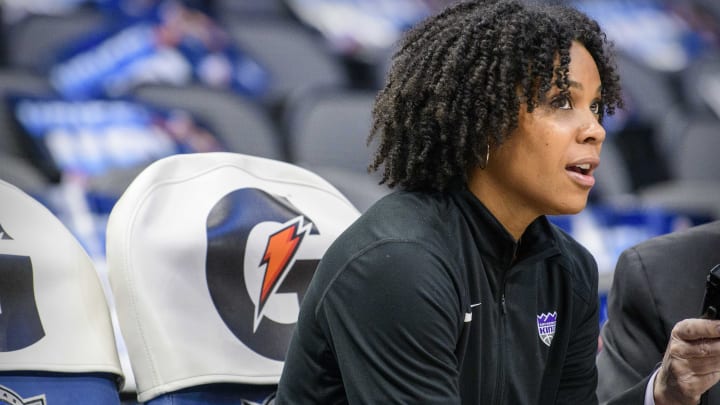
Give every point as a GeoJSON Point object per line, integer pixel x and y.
{"type": "Point", "coordinates": [261, 255]}
{"type": "Point", "coordinates": [546, 326]}
{"type": "Point", "coordinates": [9, 397]}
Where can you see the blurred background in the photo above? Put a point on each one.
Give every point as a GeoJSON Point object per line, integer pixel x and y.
{"type": "Point", "coordinates": [92, 91]}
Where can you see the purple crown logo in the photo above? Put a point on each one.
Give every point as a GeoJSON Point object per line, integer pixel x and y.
{"type": "Point", "coordinates": [546, 326]}
{"type": "Point", "coordinates": [545, 318]}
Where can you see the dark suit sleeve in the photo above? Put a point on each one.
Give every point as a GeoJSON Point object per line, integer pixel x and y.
{"type": "Point", "coordinates": [632, 337]}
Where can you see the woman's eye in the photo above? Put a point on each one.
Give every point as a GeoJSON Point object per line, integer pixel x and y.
{"type": "Point", "coordinates": [562, 103]}
{"type": "Point", "coordinates": [596, 108]}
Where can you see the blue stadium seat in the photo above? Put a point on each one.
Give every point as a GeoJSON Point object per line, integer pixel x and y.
{"type": "Point", "coordinates": [216, 394]}
{"type": "Point", "coordinates": [40, 388]}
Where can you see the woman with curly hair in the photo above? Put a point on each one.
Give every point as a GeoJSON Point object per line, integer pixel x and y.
{"type": "Point", "coordinates": [456, 288]}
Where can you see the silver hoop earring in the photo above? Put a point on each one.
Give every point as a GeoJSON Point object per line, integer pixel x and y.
{"type": "Point", "coordinates": [487, 157]}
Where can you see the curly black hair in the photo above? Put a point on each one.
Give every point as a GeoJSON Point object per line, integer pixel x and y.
{"type": "Point", "coordinates": [458, 80]}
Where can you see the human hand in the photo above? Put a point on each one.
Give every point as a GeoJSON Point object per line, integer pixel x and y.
{"type": "Point", "coordinates": [691, 364]}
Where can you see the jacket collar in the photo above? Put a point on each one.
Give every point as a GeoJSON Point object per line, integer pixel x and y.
{"type": "Point", "coordinates": [493, 240]}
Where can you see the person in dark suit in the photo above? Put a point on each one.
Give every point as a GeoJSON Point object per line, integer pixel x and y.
{"type": "Point", "coordinates": [655, 349]}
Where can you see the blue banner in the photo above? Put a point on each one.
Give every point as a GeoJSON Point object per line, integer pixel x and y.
{"type": "Point", "coordinates": [167, 43]}
{"type": "Point", "coordinates": [88, 138]}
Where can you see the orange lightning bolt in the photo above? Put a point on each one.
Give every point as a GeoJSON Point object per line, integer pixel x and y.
{"type": "Point", "coordinates": [280, 249]}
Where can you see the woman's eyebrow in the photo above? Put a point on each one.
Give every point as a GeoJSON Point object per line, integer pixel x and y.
{"type": "Point", "coordinates": [579, 86]}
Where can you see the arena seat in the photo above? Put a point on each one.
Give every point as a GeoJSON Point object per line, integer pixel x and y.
{"type": "Point", "coordinates": [241, 125]}
{"type": "Point", "coordinates": [209, 256]}
{"type": "Point", "coordinates": [327, 130]}
{"type": "Point", "coordinates": [329, 127]}
{"type": "Point", "coordinates": [57, 345]}
{"type": "Point", "coordinates": [17, 81]}
{"type": "Point", "coordinates": [695, 186]}
{"type": "Point", "coordinates": [296, 57]}
{"type": "Point", "coordinates": [37, 41]}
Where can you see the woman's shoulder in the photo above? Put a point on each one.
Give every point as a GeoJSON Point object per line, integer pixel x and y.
{"type": "Point", "coordinates": [410, 213]}
{"type": "Point", "coordinates": [579, 262]}
{"type": "Point", "coordinates": [400, 217]}
{"type": "Point", "coordinates": [570, 247]}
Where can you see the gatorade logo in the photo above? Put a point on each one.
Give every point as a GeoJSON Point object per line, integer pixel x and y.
{"type": "Point", "coordinates": [4, 235]}
{"type": "Point", "coordinates": [20, 324]}
{"type": "Point", "coordinates": [260, 259]}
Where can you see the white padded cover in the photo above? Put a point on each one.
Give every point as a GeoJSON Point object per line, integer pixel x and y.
{"type": "Point", "coordinates": [53, 311]}
{"type": "Point", "coordinates": [208, 256]}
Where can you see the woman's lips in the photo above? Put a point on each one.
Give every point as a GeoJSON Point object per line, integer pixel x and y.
{"type": "Point", "coordinates": [584, 180]}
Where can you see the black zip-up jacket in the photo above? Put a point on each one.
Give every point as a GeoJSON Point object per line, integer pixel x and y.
{"type": "Point", "coordinates": [427, 299]}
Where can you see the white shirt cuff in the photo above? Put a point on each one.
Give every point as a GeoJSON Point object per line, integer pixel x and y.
{"type": "Point", "coordinates": [649, 389]}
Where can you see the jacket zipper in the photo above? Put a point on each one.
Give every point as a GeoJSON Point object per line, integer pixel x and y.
{"type": "Point", "coordinates": [500, 384]}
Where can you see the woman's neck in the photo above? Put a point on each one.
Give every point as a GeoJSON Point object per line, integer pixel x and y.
{"type": "Point", "coordinates": [514, 217]}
